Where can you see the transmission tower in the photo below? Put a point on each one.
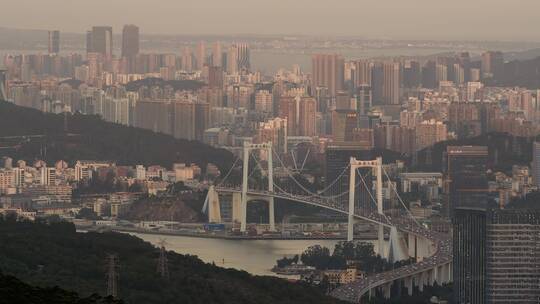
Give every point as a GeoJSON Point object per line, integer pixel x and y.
{"type": "Point", "coordinates": [163, 265]}
{"type": "Point", "coordinates": [112, 275]}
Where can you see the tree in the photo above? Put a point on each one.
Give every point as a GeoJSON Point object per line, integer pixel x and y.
{"type": "Point", "coordinates": [87, 214]}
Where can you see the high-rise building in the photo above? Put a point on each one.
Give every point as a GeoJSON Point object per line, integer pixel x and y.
{"type": "Point", "coordinates": [496, 256]}
{"type": "Point", "coordinates": [54, 42]}
{"type": "Point", "coordinates": [430, 132]}
{"type": "Point", "coordinates": [377, 83]}
{"type": "Point", "coordinates": [102, 41]}
{"type": "Point", "coordinates": [391, 83]}
{"type": "Point", "coordinates": [412, 74]}
{"type": "Point", "coordinates": [300, 114]}
{"type": "Point", "coordinates": [238, 58]}
{"type": "Point", "coordinates": [467, 177]}
{"type": "Point", "coordinates": [232, 60]}
{"type": "Point", "coordinates": [184, 120]}
{"type": "Point", "coordinates": [362, 72]}
{"type": "Point", "coordinates": [89, 48]}
{"type": "Point", "coordinates": [130, 40]}
{"type": "Point", "coordinates": [492, 64]}
{"type": "Point", "coordinates": [328, 71]}
{"type": "Point", "coordinates": [344, 122]}
{"type": "Point", "coordinates": [244, 57]}
{"type": "Point", "coordinates": [363, 98]}
{"type": "Point", "coordinates": [187, 59]}
{"type": "Point", "coordinates": [201, 55]}
{"type": "Point", "coordinates": [512, 256]}
{"type": "Point", "coordinates": [202, 119]}
{"type": "Point", "coordinates": [157, 116]}
{"type": "Point", "coordinates": [469, 256]}
{"type": "Point", "coordinates": [215, 77]}
{"type": "Point", "coordinates": [536, 163]}
{"type": "Point", "coordinates": [429, 71]}
{"type": "Point", "coordinates": [217, 54]}
{"type": "Point", "coordinates": [264, 101]}
{"type": "Point", "coordinates": [273, 130]}
{"type": "Point", "coordinates": [441, 73]}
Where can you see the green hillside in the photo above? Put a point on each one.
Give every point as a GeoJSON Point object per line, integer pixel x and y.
{"type": "Point", "coordinates": [48, 255]}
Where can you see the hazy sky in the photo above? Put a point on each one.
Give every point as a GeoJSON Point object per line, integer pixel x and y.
{"type": "Point", "coordinates": [424, 19]}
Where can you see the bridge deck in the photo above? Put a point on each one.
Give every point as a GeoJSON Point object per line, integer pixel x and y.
{"type": "Point", "coordinates": [353, 292]}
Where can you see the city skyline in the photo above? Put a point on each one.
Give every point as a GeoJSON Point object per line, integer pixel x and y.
{"type": "Point", "coordinates": [393, 146]}
{"type": "Point", "coordinates": [424, 20]}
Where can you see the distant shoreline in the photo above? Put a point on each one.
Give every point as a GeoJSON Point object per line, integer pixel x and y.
{"type": "Point", "coordinates": [213, 236]}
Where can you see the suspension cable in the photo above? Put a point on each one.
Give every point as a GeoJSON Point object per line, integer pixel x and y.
{"type": "Point", "coordinates": [399, 198]}
{"type": "Point", "coordinates": [228, 173]}
{"type": "Point", "coordinates": [307, 190]}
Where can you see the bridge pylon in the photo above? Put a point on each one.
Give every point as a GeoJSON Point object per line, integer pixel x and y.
{"type": "Point", "coordinates": [373, 164]}
{"type": "Point", "coordinates": [245, 174]}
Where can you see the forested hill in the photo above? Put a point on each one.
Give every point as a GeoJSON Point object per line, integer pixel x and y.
{"type": "Point", "coordinates": [46, 255]}
{"type": "Point", "coordinates": [504, 149]}
{"type": "Point", "coordinates": [12, 290]}
{"type": "Point", "coordinates": [91, 138]}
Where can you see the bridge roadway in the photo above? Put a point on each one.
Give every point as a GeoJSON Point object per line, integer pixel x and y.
{"type": "Point", "coordinates": [353, 292]}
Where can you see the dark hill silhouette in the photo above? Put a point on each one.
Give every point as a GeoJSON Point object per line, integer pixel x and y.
{"type": "Point", "coordinates": [94, 139]}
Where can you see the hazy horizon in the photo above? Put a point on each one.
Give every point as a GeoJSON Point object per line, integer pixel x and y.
{"type": "Point", "coordinates": [383, 19]}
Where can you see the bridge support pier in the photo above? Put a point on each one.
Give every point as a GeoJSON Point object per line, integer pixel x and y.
{"type": "Point", "coordinates": [387, 290]}
{"type": "Point", "coordinates": [409, 285]}
{"type": "Point", "coordinates": [412, 246]}
{"type": "Point", "coordinates": [421, 281]}
{"type": "Point", "coordinates": [435, 276]}
{"type": "Point", "coordinates": [214, 212]}
{"type": "Point", "coordinates": [237, 207]}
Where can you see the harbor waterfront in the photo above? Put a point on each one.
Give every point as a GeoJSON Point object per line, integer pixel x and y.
{"type": "Point", "coordinates": [254, 256]}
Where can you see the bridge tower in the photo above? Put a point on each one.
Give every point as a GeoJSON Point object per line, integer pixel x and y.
{"type": "Point", "coordinates": [377, 165]}
{"type": "Point", "coordinates": [245, 174]}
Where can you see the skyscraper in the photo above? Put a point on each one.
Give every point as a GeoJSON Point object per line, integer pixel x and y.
{"type": "Point", "coordinates": [469, 255]}
{"type": "Point", "coordinates": [89, 48]}
{"type": "Point", "coordinates": [536, 163]}
{"type": "Point", "coordinates": [492, 64]}
{"type": "Point", "coordinates": [244, 57]}
{"type": "Point", "coordinates": [187, 59]}
{"type": "Point", "coordinates": [467, 177]}
{"type": "Point", "coordinates": [496, 256]}
{"type": "Point", "coordinates": [102, 41]}
{"type": "Point", "coordinates": [130, 40]}
{"type": "Point", "coordinates": [377, 83]}
{"type": "Point", "coordinates": [54, 42]}
{"type": "Point", "coordinates": [300, 114]}
{"type": "Point", "coordinates": [362, 73]}
{"type": "Point", "coordinates": [328, 71]}
{"type": "Point", "coordinates": [391, 83]}
{"type": "Point", "coordinates": [513, 256]}
{"type": "Point", "coordinates": [201, 55]}
{"type": "Point", "coordinates": [217, 54]}
{"type": "Point", "coordinates": [232, 60]}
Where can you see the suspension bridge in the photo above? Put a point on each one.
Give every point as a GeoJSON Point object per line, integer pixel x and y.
{"type": "Point", "coordinates": [351, 194]}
